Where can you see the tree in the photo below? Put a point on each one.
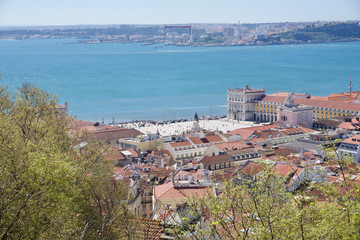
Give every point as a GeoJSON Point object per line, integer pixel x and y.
{"type": "Point", "coordinates": [264, 208]}
{"type": "Point", "coordinates": [49, 188]}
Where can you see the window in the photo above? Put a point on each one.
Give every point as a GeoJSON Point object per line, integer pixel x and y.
{"type": "Point", "coordinates": [147, 192]}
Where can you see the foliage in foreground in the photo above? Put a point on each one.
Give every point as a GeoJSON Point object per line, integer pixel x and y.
{"type": "Point", "coordinates": [49, 188]}
{"type": "Point", "coordinates": [264, 209]}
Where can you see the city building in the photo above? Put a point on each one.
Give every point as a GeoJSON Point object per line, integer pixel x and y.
{"type": "Point", "coordinates": [141, 143]}
{"type": "Point", "coordinates": [240, 102]}
{"type": "Point", "coordinates": [171, 196]}
{"type": "Point", "coordinates": [350, 147]}
{"type": "Point", "coordinates": [191, 147]}
{"type": "Point", "coordinates": [217, 162]}
{"type": "Point", "coordinates": [291, 115]}
{"type": "Point", "coordinates": [249, 104]}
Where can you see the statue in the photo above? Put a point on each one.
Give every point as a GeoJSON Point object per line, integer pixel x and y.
{"type": "Point", "coordinates": [289, 101]}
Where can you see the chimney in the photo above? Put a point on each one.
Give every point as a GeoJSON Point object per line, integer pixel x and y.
{"type": "Point", "coordinates": [191, 179]}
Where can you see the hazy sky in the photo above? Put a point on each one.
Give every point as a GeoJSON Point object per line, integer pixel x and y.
{"type": "Point", "coordinates": [68, 12]}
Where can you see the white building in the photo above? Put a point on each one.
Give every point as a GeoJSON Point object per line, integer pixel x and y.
{"type": "Point", "coordinates": [240, 102]}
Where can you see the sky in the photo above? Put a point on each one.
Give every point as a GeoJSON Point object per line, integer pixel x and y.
{"type": "Point", "coordinates": [71, 12]}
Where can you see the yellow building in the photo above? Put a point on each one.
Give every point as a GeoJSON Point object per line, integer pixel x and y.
{"type": "Point", "coordinates": [141, 143]}
{"type": "Point", "coordinates": [253, 105]}
{"type": "Point", "coordinates": [266, 109]}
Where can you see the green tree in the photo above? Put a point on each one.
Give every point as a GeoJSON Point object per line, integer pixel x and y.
{"type": "Point", "coordinates": [49, 188]}
{"type": "Point", "coordinates": [265, 209]}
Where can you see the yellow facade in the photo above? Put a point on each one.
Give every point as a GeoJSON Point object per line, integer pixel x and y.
{"type": "Point", "coordinates": [319, 113]}
{"type": "Point", "coordinates": [153, 145]}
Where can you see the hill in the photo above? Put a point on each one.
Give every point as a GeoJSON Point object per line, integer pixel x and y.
{"type": "Point", "coordinates": [334, 32]}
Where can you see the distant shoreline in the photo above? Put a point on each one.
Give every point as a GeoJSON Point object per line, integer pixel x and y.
{"type": "Point", "coordinates": [197, 35]}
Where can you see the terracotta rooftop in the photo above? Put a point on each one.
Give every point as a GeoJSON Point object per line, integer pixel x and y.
{"type": "Point", "coordinates": [353, 125]}
{"type": "Point", "coordinates": [353, 140]}
{"type": "Point", "coordinates": [114, 154]}
{"type": "Point", "coordinates": [213, 138]}
{"type": "Point", "coordinates": [132, 151]}
{"type": "Point", "coordinates": [196, 140]}
{"type": "Point", "coordinates": [246, 132]}
{"type": "Point", "coordinates": [114, 134]}
{"type": "Point", "coordinates": [315, 103]}
{"type": "Point", "coordinates": [283, 151]}
{"type": "Point", "coordinates": [180, 144]}
{"type": "Point", "coordinates": [251, 168]}
{"type": "Point", "coordinates": [295, 130]}
{"type": "Point", "coordinates": [122, 172]}
{"type": "Point", "coordinates": [285, 169]}
{"type": "Point", "coordinates": [242, 151]}
{"type": "Point", "coordinates": [227, 146]}
{"type": "Point", "coordinates": [167, 191]}
{"type": "Point", "coordinates": [343, 97]}
{"type": "Point", "coordinates": [210, 160]}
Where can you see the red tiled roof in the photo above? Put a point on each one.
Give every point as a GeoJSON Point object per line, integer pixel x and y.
{"type": "Point", "coordinates": [123, 171]}
{"type": "Point", "coordinates": [209, 160]}
{"type": "Point", "coordinates": [213, 138]}
{"type": "Point", "coordinates": [196, 140]}
{"type": "Point", "coordinates": [81, 123]}
{"type": "Point", "coordinates": [246, 132]}
{"type": "Point", "coordinates": [283, 151]}
{"type": "Point", "coordinates": [180, 144]}
{"type": "Point", "coordinates": [252, 168]}
{"type": "Point", "coordinates": [115, 134]}
{"type": "Point", "coordinates": [316, 103]}
{"type": "Point", "coordinates": [294, 131]}
{"type": "Point", "coordinates": [348, 125]}
{"type": "Point", "coordinates": [343, 97]}
{"type": "Point", "coordinates": [276, 99]}
{"type": "Point", "coordinates": [133, 152]}
{"type": "Point", "coordinates": [242, 151]}
{"type": "Point", "coordinates": [166, 191]}
{"type": "Point", "coordinates": [353, 140]}
{"type": "Point", "coordinates": [114, 154]}
{"type": "Point", "coordinates": [284, 169]}
{"type": "Point", "coordinates": [353, 125]}
{"type": "Point", "coordinates": [225, 146]}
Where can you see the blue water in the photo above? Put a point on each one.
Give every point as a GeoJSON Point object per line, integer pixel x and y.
{"type": "Point", "coordinates": [129, 81]}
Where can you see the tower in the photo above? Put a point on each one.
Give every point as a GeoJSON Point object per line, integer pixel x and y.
{"type": "Point", "coordinates": [196, 126]}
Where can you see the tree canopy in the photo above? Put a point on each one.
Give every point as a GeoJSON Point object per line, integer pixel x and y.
{"type": "Point", "coordinates": [49, 188]}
